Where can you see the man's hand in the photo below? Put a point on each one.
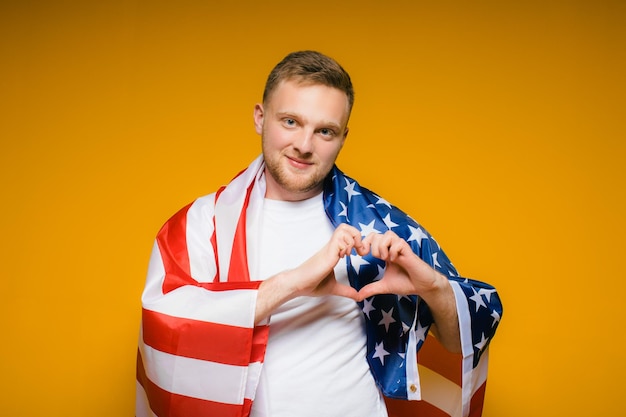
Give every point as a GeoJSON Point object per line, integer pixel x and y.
{"type": "Point", "coordinates": [407, 274]}
{"type": "Point", "coordinates": [315, 277]}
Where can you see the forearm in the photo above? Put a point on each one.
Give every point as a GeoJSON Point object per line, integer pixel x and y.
{"type": "Point", "coordinates": [272, 293]}
{"type": "Point", "coordinates": [442, 304]}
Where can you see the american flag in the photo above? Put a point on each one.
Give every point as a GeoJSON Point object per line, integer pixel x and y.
{"type": "Point", "coordinates": [199, 355]}
{"type": "Point", "coordinates": [397, 327]}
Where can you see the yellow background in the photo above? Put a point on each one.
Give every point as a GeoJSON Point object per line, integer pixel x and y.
{"type": "Point", "coordinates": [498, 125]}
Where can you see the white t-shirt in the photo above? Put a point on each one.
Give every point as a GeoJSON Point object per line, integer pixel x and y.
{"type": "Point", "coordinates": [315, 361]}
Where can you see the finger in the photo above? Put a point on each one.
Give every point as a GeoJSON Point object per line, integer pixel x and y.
{"type": "Point", "coordinates": [357, 239]}
{"type": "Point", "coordinates": [347, 291]}
{"type": "Point", "coordinates": [372, 242]}
{"type": "Point", "coordinates": [352, 239]}
{"type": "Point", "coordinates": [382, 246]}
{"type": "Point", "coordinates": [395, 249]}
{"type": "Point", "coordinates": [375, 288]}
{"type": "Point", "coordinates": [366, 244]}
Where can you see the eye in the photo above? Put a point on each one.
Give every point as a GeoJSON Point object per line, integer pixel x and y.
{"type": "Point", "coordinates": [289, 122]}
{"type": "Point", "coordinates": [327, 132]}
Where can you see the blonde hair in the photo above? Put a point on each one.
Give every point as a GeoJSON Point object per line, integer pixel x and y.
{"type": "Point", "coordinates": [310, 67]}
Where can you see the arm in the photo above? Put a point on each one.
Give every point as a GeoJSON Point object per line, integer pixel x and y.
{"type": "Point", "coordinates": [407, 274]}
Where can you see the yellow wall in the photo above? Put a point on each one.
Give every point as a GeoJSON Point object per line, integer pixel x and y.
{"type": "Point", "coordinates": [498, 125]}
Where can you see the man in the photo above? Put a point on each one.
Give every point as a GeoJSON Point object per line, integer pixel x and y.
{"type": "Point", "coordinates": [293, 291]}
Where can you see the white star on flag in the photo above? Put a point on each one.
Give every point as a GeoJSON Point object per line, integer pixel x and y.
{"type": "Point", "coordinates": [344, 210]}
{"type": "Point", "coordinates": [357, 262]}
{"type": "Point", "coordinates": [380, 353]}
{"type": "Point", "coordinates": [382, 201]}
{"type": "Point", "coordinates": [405, 328]}
{"type": "Point", "coordinates": [387, 319]}
{"type": "Point", "coordinates": [496, 317]}
{"type": "Point", "coordinates": [487, 293]}
{"type": "Point", "coordinates": [350, 189]}
{"type": "Point", "coordinates": [366, 229]}
{"type": "Point", "coordinates": [388, 222]}
{"type": "Point", "coordinates": [417, 234]}
{"type": "Point", "coordinates": [420, 332]}
{"type": "Point", "coordinates": [435, 261]}
{"type": "Point", "coordinates": [478, 299]}
{"type": "Point", "coordinates": [480, 345]}
{"type": "Point", "coordinates": [368, 307]}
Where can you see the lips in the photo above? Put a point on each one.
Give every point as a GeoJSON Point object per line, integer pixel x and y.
{"type": "Point", "coordinates": [298, 162]}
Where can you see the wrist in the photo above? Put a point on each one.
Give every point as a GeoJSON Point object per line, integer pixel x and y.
{"type": "Point", "coordinates": [440, 287]}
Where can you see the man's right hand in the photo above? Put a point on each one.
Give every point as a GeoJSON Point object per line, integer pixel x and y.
{"type": "Point", "coordinates": [315, 277]}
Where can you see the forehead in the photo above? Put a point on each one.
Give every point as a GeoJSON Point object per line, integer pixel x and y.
{"type": "Point", "coordinates": [309, 98]}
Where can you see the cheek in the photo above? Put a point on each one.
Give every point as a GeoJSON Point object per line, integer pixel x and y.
{"type": "Point", "coordinates": [275, 136]}
{"type": "Point", "coordinates": [329, 153]}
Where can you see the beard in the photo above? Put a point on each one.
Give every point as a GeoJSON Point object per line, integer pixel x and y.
{"type": "Point", "coordinates": [291, 180]}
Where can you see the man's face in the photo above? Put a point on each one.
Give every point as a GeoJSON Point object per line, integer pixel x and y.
{"type": "Point", "coordinates": [303, 127]}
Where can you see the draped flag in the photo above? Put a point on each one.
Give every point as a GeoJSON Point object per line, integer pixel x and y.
{"type": "Point", "coordinates": [200, 353]}
{"type": "Point", "coordinates": [397, 326]}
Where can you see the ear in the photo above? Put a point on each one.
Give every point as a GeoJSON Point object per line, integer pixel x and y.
{"type": "Point", "coordinates": [259, 114]}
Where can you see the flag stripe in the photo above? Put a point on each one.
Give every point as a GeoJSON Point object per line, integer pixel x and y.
{"type": "Point", "coordinates": [229, 389]}
{"type": "Point", "coordinates": [172, 241]}
{"type": "Point", "coordinates": [476, 404]}
{"type": "Point", "coordinates": [199, 340]}
{"type": "Point", "coordinates": [238, 270]}
{"type": "Point", "coordinates": [164, 403]}
{"type": "Point", "coordinates": [403, 408]}
{"type": "Point", "coordinates": [441, 392]}
{"type": "Point", "coordinates": [434, 356]}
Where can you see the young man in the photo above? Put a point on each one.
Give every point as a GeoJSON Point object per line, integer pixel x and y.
{"type": "Point", "coordinates": [295, 292]}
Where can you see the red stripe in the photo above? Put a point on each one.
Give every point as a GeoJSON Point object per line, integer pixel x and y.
{"type": "Point", "coordinates": [238, 269]}
{"type": "Point", "coordinates": [214, 239]}
{"type": "Point", "coordinates": [435, 357]}
{"type": "Point", "coordinates": [196, 339]}
{"type": "Point", "coordinates": [477, 401]}
{"type": "Point", "coordinates": [403, 408]}
{"type": "Point", "coordinates": [172, 242]}
{"type": "Point", "coordinates": [167, 404]}
{"type": "Point", "coordinates": [259, 343]}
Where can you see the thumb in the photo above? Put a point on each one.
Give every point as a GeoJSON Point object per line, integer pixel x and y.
{"type": "Point", "coordinates": [374, 288]}
{"type": "Point", "coordinates": [347, 291]}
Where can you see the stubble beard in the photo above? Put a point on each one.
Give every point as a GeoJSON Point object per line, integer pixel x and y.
{"type": "Point", "coordinates": [292, 181]}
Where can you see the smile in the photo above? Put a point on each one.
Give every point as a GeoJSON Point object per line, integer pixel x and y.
{"type": "Point", "coordinates": [299, 163]}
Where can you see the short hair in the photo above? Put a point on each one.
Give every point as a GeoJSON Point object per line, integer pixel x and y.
{"type": "Point", "coordinates": [310, 67]}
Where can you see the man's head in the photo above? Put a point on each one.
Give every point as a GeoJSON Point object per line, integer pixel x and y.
{"type": "Point", "coordinates": [303, 122]}
{"type": "Point", "coordinates": [310, 67]}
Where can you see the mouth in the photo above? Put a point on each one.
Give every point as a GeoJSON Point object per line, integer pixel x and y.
{"type": "Point", "coordinates": [299, 162]}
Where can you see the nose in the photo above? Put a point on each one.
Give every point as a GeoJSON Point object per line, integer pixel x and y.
{"type": "Point", "coordinates": [304, 141]}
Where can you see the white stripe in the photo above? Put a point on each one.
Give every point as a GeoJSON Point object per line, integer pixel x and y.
{"type": "Point", "coordinates": [467, 347]}
{"type": "Point", "coordinates": [412, 373]}
{"type": "Point", "coordinates": [227, 211]}
{"type": "Point", "coordinates": [199, 229]}
{"type": "Point", "coordinates": [253, 224]}
{"type": "Point", "coordinates": [479, 374]}
{"type": "Point", "coordinates": [195, 378]}
{"type": "Point", "coordinates": [254, 375]}
{"type": "Point", "coordinates": [233, 307]}
{"type": "Point", "coordinates": [440, 392]}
